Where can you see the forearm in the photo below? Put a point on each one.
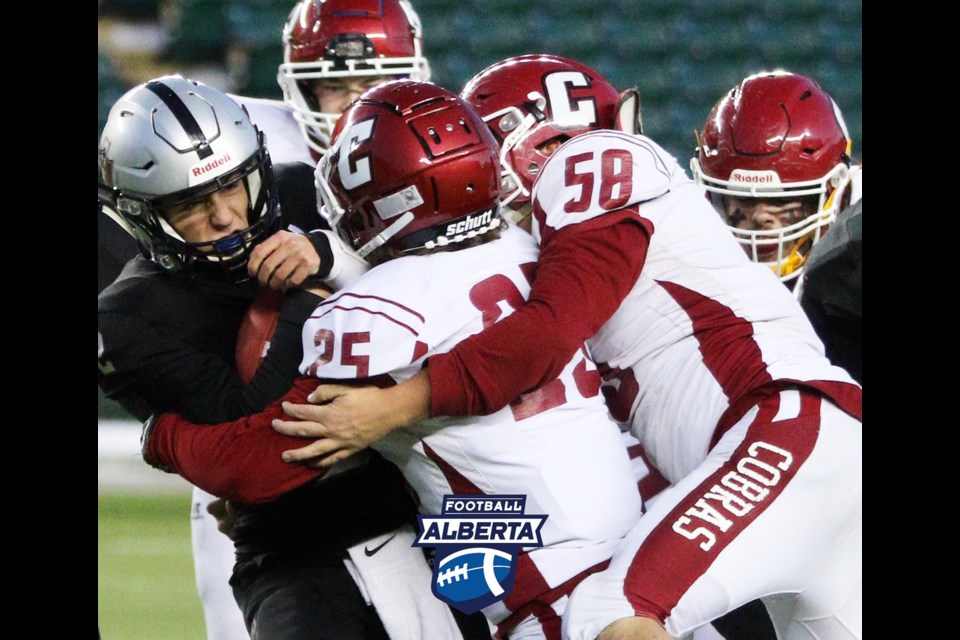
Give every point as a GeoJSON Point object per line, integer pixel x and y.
{"type": "Point", "coordinates": [582, 277]}
{"type": "Point", "coordinates": [340, 267]}
{"type": "Point", "coordinates": [275, 373]}
{"type": "Point", "coordinates": [409, 402]}
{"type": "Point", "coordinates": [237, 460]}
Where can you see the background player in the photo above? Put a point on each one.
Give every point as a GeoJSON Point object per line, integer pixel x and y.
{"type": "Point", "coordinates": [333, 51]}
{"type": "Point", "coordinates": [774, 154]}
{"type": "Point", "coordinates": [833, 290]}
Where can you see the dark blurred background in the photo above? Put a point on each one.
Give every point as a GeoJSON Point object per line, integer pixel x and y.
{"type": "Point", "coordinates": [682, 54]}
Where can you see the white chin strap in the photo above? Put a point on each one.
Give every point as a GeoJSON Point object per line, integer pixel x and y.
{"type": "Point", "coordinates": [381, 238]}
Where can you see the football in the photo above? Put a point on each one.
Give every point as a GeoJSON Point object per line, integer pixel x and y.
{"type": "Point", "coordinates": [256, 329]}
{"type": "Point", "coordinates": [471, 573]}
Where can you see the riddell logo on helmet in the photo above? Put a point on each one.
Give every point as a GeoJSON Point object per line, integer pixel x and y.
{"type": "Point", "coordinates": [199, 171]}
{"type": "Point", "coordinates": [745, 176]}
{"type": "Point", "coordinates": [469, 223]}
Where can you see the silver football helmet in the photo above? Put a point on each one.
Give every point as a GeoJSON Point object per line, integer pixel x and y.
{"type": "Point", "coordinates": [170, 141]}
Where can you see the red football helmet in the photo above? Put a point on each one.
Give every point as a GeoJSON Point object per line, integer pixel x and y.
{"type": "Point", "coordinates": [531, 100]}
{"type": "Point", "coordinates": [776, 135]}
{"type": "Point", "coordinates": [411, 166]}
{"type": "Point", "coordinates": [345, 39]}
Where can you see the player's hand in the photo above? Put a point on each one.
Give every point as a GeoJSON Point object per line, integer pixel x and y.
{"type": "Point", "coordinates": [349, 420]}
{"type": "Point", "coordinates": [284, 260]}
{"type": "Point", "coordinates": [225, 515]}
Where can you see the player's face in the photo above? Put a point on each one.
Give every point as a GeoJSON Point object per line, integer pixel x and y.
{"type": "Point", "coordinates": [334, 95]}
{"type": "Point", "coordinates": [767, 214]}
{"type": "Point", "coordinates": [212, 217]}
{"type": "Point", "coordinates": [520, 214]}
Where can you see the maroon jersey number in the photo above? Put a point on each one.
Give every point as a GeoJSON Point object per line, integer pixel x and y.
{"type": "Point", "coordinates": [324, 340]}
{"type": "Point", "coordinates": [489, 297]}
{"type": "Point", "coordinates": [616, 180]}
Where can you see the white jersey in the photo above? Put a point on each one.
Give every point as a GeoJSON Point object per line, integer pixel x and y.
{"type": "Point", "coordinates": [703, 326]}
{"type": "Point", "coordinates": [557, 446]}
{"type": "Point", "coordinates": [275, 119]}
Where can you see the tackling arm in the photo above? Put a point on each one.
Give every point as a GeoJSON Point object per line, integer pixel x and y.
{"type": "Point", "coordinates": [237, 460]}
{"type": "Point", "coordinates": [583, 275]}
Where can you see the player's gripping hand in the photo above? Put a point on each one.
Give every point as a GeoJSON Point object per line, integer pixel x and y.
{"type": "Point", "coordinates": [225, 515]}
{"type": "Point", "coordinates": [284, 260]}
{"type": "Point", "coordinates": [347, 419]}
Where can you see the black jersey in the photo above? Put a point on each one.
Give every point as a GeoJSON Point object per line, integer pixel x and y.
{"type": "Point", "coordinates": [167, 340]}
{"type": "Point", "coordinates": [833, 290]}
{"type": "Point", "coordinates": [167, 343]}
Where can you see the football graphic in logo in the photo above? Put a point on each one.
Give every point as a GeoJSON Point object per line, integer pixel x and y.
{"type": "Point", "coordinates": [474, 572]}
{"type": "Point", "coordinates": [478, 539]}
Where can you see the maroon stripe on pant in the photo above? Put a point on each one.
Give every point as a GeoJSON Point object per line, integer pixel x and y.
{"type": "Point", "coordinates": [538, 596]}
{"type": "Point", "coordinates": [459, 483]}
{"type": "Point", "coordinates": [684, 545]}
{"type": "Point", "coordinates": [652, 483]}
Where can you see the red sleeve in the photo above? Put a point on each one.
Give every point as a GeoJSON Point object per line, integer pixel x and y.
{"type": "Point", "coordinates": [237, 460]}
{"type": "Point", "coordinates": [584, 272]}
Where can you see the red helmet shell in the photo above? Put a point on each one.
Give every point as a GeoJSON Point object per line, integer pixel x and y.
{"type": "Point", "coordinates": [531, 99]}
{"type": "Point", "coordinates": [410, 162]}
{"type": "Point", "coordinates": [337, 39]}
{"type": "Point", "coordinates": [312, 34]}
{"type": "Point", "coordinates": [779, 122]}
{"type": "Point", "coordinates": [776, 135]}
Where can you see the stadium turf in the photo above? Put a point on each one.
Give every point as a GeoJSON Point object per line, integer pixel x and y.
{"type": "Point", "coordinates": [145, 582]}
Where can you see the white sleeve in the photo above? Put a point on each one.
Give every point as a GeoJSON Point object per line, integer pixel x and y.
{"type": "Point", "coordinates": [347, 265]}
{"type": "Point", "coordinates": [359, 333]}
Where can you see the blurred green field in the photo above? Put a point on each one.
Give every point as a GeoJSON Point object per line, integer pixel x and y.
{"type": "Point", "coordinates": [145, 583]}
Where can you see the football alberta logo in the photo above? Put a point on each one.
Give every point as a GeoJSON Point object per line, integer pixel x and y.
{"type": "Point", "coordinates": [478, 540]}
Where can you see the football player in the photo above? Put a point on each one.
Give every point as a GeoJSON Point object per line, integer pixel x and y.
{"type": "Point", "coordinates": [185, 172]}
{"type": "Point", "coordinates": [426, 213]}
{"type": "Point", "coordinates": [533, 104]}
{"type": "Point", "coordinates": [774, 155]}
{"type": "Point", "coordinates": [714, 367]}
{"type": "Point", "coordinates": [332, 51]}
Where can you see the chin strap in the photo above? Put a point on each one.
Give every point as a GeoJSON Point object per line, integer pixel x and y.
{"type": "Point", "coordinates": [346, 267]}
{"type": "Point", "coordinates": [627, 117]}
{"type": "Point", "coordinates": [789, 268]}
